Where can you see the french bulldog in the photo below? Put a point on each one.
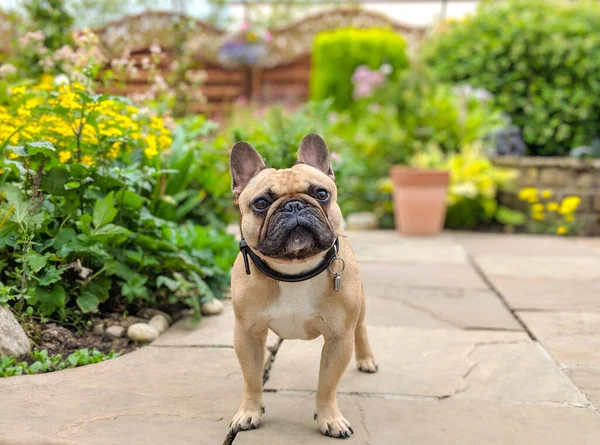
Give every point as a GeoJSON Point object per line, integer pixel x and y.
{"type": "Point", "coordinates": [291, 226]}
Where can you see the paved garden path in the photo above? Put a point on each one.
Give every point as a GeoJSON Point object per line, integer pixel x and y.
{"type": "Point", "coordinates": [481, 340]}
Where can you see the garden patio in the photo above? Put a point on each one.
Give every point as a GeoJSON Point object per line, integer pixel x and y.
{"type": "Point", "coordinates": [480, 338]}
{"type": "Point", "coordinates": [119, 228]}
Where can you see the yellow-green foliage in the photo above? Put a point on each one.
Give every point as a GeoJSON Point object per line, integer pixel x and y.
{"type": "Point", "coordinates": [336, 54]}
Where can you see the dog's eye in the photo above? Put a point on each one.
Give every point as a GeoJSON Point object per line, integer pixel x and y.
{"type": "Point", "coordinates": [322, 195]}
{"type": "Point", "coordinates": [260, 204]}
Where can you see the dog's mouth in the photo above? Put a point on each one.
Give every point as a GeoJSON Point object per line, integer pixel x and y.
{"type": "Point", "coordinates": [297, 230]}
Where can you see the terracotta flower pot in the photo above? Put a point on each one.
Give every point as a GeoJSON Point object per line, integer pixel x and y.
{"type": "Point", "coordinates": [419, 200]}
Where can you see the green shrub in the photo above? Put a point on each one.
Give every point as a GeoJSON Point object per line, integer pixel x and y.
{"type": "Point", "coordinates": [337, 54]}
{"type": "Point", "coordinates": [539, 59]}
{"type": "Point", "coordinates": [276, 133]}
{"type": "Point", "coordinates": [434, 112]}
{"type": "Point", "coordinates": [81, 215]}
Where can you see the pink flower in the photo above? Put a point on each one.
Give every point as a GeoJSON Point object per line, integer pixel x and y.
{"type": "Point", "coordinates": [268, 37]}
{"type": "Point", "coordinates": [242, 101]}
{"type": "Point", "coordinates": [245, 26]}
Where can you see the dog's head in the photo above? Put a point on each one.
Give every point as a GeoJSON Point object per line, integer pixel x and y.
{"type": "Point", "coordinates": [287, 214]}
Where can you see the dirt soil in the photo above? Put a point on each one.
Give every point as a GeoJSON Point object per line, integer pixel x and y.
{"type": "Point", "coordinates": [64, 341]}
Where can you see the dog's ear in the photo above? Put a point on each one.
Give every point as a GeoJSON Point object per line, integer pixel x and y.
{"type": "Point", "coordinates": [314, 152]}
{"type": "Point", "coordinates": [245, 164]}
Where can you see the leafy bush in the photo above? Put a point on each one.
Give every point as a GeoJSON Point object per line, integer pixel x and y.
{"type": "Point", "coordinates": [538, 58]}
{"type": "Point", "coordinates": [277, 133]}
{"type": "Point", "coordinates": [337, 54]}
{"type": "Point", "coordinates": [81, 175]}
{"type": "Point", "coordinates": [200, 191]}
{"type": "Point", "coordinates": [44, 363]}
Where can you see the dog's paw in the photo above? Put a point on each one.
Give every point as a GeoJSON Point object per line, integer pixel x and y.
{"type": "Point", "coordinates": [367, 365]}
{"type": "Point", "coordinates": [246, 419]}
{"type": "Point", "coordinates": [334, 425]}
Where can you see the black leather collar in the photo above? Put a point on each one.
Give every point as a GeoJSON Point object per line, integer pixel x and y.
{"type": "Point", "coordinates": [268, 271]}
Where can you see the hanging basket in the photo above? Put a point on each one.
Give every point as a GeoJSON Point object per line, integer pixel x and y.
{"type": "Point", "coordinates": [239, 52]}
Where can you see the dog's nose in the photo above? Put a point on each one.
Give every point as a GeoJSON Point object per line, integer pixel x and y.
{"type": "Point", "coordinates": [294, 205]}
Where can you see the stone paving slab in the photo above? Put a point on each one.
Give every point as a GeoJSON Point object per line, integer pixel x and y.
{"type": "Point", "coordinates": [439, 308]}
{"type": "Point", "coordinates": [191, 392]}
{"type": "Point", "coordinates": [378, 421]}
{"type": "Point", "coordinates": [504, 366]}
{"type": "Point", "coordinates": [389, 277]}
{"type": "Point", "coordinates": [549, 294]}
{"type": "Point", "coordinates": [211, 331]}
{"type": "Point", "coordinates": [522, 245]}
{"type": "Point", "coordinates": [550, 266]}
{"type": "Point", "coordinates": [390, 246]}
{"type": "Point", "coordinates": [573, 338]}
{"type": "Point", "coordinates": [588, 380]}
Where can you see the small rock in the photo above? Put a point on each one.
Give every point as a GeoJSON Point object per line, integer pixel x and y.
{"type": "Point", "coordinates": [212, 307]}
{"type": "Point", "coordinates": [148, 313]}
{"type": "Point", "coordinates": [363, 221]}
{"type": "Point", "coordinates": [115, 331]}
{"type": "Point", "coordinates": [142, 333]}
{"type": "Point", "coordinates": [98, 327]}
{"type": "Point", "coordinates": [160, 322]}
{"type": "Point", "coordinates": [13, 341]}
{"type": "Point", "coordinates": [131, 320]}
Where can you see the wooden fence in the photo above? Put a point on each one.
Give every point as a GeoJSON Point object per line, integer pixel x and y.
{"type": "Point", "coordinates": [283, 75]}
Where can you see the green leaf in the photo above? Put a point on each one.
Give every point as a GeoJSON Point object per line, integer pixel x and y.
{"type": "Point", "coordinates": [100, 287]}
{"type": "Point", "coordinates": [85, 223]}
{"type": "Point", "coordinates": [44, 148]}
{"type": "Point", "coordinates": [104, 211]}
{"type": "Point", "coordinates": [51, 275]}
{"type": "Point", "coordinates": [88, 302]}
{"type": "Point", "coordinates": [109, 230]}
{"type": "Point", "coordinates": [509, 217]}
{"type": "Point", "coordinates": [135, 288]}
{"type": "Point", "coordinates": [79, 171]}
{"type": "Point", "coordinates": [50, 299]}
{"type": "Point", "coordinates": [170, 283]}
{"type": "Point", "coordinates": [35, 261]}
{"type": "Point", "coordinates": [127, 198]}
{"type": "Point", "coordinates": [55, 182]}
{"type": "Point", "coordinates": [107, 182]}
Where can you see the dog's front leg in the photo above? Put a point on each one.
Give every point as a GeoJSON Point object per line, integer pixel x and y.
{"type": "Point", "coordinates": [335, 357]}
{"type": "Point", "coordinates": [249, 345]}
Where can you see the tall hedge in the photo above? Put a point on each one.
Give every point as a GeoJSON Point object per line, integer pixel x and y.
{"type": "Point", "coordinates": [336, 54]}
{"type": "Point", "coordinates": [540, 59]}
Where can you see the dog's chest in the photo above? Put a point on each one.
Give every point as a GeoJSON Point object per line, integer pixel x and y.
{"type": "Point", "coordinates": [296, 306]}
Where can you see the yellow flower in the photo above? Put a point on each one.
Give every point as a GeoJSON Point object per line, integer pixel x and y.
{"type": "Point", "coordinates": [569, 205]}
{"type": "Point", "coordinates": [539, 216]}
{"type": "Point", "coordinates": [528, 194]}
{"type": "Point", "coordinates": [546, 194]}
{"type": "Point", "coordinates": [537, 208]}
{"type": "Point", "coordinates": [150, 152]}
{"type": "Point", "coordinates": [87, 160]}
{"type": "Point", "coordinates": [64, 156]}
{"type": "Point", "coordinates": [569, 217]}
{"type": "Point", "coordinates": [12, 155]}
{"type": "Point", "coordinates": [562, 230]}
{"type": "Point", "coordinates": [552, 206]}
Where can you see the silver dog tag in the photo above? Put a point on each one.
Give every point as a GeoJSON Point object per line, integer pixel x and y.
{"type": "Point", "coordinates": [337, 282]}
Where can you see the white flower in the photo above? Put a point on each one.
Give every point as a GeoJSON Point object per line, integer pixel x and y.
{"type": "Point", "coordinates": [7, 69]}
{"type": "Point", "coordinates": [61, 79]}
{"type": "Point", "coordinates": [466, 189]}
{"type": "Point", "coordinates": [386, 69]}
